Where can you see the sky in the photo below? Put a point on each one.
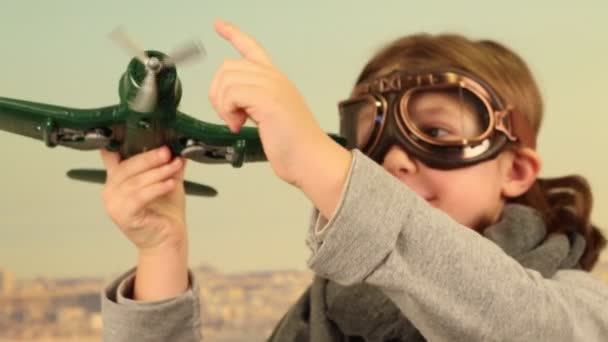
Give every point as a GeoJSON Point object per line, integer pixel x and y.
{"type": "Point", "coordinates": [58, 52]}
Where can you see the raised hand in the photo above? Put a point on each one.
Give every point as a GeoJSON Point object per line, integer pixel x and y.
{"type": "Point", "coordinates": [252, 87]}
{"type": "Point", "coordinates": [299, 151]}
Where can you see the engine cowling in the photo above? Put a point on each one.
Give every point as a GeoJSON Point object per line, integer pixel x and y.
{"type": "Point", "coordinates": [168, 84]}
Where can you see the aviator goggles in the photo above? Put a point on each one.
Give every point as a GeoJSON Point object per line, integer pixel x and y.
{"type": "Point", "coordinates": [446, 119]}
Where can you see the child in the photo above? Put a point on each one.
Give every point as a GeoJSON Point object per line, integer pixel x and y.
{"type": "Point", "coordinates": [458, 241]}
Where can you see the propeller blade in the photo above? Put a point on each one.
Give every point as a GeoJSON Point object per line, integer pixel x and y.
{"type": "Point", "coordinates": [190, 51]}
{"type": "Point", "coordinates": [147, 95]}
{"type": "Point", "coordinates": [99, 176]}
{"type": "Point", "coordinates": [120, 36]}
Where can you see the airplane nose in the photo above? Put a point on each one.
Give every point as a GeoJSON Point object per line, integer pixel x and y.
{"type": "Point", "coordinates": [153, 64]}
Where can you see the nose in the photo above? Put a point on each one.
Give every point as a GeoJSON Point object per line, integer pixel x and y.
{"type": "Point", "coordinates": [398, 162]}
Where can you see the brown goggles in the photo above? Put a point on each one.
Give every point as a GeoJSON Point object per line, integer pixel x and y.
{"type": "Point", "coordinates": [447, 119]}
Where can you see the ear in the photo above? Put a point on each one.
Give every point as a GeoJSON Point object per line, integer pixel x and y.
{"type": "Point", "coordinates": [522, 168]}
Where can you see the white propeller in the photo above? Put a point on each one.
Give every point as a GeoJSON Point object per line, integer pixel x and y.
{"type": "Point", "coordinates": [147, 96]}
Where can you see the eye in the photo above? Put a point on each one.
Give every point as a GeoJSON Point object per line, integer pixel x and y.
{"type": "Point", "coordinates": [435, 132]}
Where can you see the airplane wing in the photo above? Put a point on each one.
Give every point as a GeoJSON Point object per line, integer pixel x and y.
{"type": "Point", "coordinates": [210, 143]}
{"type": "Point", "coordinates": [84, 129]}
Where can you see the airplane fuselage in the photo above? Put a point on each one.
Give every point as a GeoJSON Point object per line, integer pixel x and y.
{"type": "Point", "coordinates": [147, 120]}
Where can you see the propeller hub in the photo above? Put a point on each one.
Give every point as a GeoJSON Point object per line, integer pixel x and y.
{"type": "Point", "coordinates": [153, 64]}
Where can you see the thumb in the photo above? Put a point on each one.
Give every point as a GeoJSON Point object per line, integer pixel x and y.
{"type": "Point", "coordinates": [110, 160]}
{"type": "Point", "coordinates": [179, 176]}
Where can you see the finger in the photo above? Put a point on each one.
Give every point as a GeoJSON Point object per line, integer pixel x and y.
{"type": "Point", "coordinates": [142, 198]}
{"type": "Point", "coordinates": [110, 160]}
{"type": "Point", "coordinates": [238, 103]}
{"type": "Point", "coordinates": [242, 42]}
{"type": "Point", "coordinates": [231, 65]}
{"type": "Point", "coordinates": [237, 120]}
{"type": "Point", "coordinates": [235, 117]}
{"type": "Point", "coordinates": [150, 177]}
{"type": "Point", "coordinates": [139, 163]}
{"type": "Point", "coordinates": [179, 176]}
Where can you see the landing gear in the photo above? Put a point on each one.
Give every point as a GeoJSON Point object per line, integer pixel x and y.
{"type": "Point", "coordinates": [200, 152]}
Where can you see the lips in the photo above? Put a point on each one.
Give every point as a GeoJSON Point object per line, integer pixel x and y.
{"type": "Point", "coordinates": [429, 198]}
{"type": "Point", "coordinates": [433, 201]}
{"type": "Point", "coordinates": [424, 194]}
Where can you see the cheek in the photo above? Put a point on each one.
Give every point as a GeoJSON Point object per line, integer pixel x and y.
{"type": "Point", "coordinates": [468, 196]}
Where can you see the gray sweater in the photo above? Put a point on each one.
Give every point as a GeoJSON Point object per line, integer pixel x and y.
{"type": "Point", "coordinates": [451, 282]}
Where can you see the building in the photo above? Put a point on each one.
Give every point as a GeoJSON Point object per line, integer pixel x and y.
{"type": "Point", "coordinates": [7, 282]}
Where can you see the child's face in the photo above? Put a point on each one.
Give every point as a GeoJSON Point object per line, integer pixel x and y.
{"type": "Point", "coordinates": [470, 195]}
{"type": "Point", "coordinates": [473, 196]}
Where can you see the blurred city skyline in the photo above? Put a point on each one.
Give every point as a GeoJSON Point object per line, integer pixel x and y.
{"type": "Point", "coordinates": [234, 307]}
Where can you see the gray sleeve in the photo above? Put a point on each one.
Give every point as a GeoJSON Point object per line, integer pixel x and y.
{"type": "Point", "coordinates": [451, 282]}
{"type": "Point", "coordinates": [176, 319]}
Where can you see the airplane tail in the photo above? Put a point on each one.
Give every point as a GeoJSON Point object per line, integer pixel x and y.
{"type": "Point", "coordinates": [99, 177]}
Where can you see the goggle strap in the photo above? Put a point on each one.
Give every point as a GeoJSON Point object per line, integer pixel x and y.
{"type": "Point", "coordinates": [522, 129]}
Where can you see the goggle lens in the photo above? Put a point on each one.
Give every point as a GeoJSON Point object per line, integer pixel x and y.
{"type": "Point", "coordinates": [445, 116]}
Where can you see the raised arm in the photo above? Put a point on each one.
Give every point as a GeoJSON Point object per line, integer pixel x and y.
{"type": "Point", "coordinates": [450, 281]}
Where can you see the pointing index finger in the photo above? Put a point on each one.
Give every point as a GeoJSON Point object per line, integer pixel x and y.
{"type": "Point", "coordinates": [245, 44]}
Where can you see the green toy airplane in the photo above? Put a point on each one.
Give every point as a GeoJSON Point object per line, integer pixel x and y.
{"type": "Point", "coordinates": [146, 118]}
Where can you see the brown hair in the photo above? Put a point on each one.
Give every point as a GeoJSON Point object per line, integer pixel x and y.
{"type": "Point", "coordinates": [564, 202]}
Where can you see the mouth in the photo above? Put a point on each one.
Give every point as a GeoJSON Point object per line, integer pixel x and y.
{"type": "Point", "coordinates": [426, 196]}
{"type": "Point", "coordinates": [432, 200]}
{"type": "Point", "coordinates": [423, 193]}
